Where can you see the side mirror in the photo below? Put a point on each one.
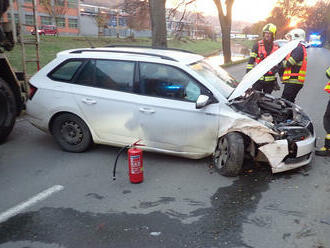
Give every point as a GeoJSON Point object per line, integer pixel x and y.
{"type": "Point", "coordinates": [202, 101]}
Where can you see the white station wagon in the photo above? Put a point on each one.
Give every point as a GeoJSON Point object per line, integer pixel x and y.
{"type": "Point", "coordinates": [174, 101]}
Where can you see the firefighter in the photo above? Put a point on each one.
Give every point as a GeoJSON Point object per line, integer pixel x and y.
{"type": "Point", "coordinates": [260, 51]}
{"type": "Point", "coordinates": [294, 66]}
{"type": "Point", "coordinates": [325, 150]}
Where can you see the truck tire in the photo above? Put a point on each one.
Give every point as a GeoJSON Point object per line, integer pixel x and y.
{"type": "Point", "coordinates": [229, 155]}
{"type": "Point", "coordinates": [7, 110]}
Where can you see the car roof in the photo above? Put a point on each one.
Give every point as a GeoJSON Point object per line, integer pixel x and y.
{"type": "Point", "coordinates": [177, 55]}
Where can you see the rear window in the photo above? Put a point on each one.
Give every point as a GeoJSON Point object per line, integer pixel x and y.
{"type": "Point", "coordinates": [66, 70]}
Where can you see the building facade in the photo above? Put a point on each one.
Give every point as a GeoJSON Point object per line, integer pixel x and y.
{"type": "Point", "coordinates": [62, 13]}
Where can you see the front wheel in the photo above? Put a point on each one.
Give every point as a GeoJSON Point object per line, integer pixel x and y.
{"type": "Point", "coordinates": [71, 133]}
{"type": "Point", "coordinates": [229, 155]}
{"type": "Point", "coordinates": [7, 110]}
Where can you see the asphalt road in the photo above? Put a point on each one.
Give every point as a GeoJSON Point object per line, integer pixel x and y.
{"type": "Point", "coordinates": [181, 203]}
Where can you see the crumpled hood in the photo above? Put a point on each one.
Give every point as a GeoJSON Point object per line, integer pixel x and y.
{"type": "Point", "coordinates": [267, 64]}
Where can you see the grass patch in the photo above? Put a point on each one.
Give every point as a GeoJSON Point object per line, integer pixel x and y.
{"type": "Point", "coordinates": [50, 46]}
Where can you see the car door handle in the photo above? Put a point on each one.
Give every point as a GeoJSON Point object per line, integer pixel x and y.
{"type": "Point", "coordinates": [147, 110]}
{"type": "Point", "coordinates": [88, 101]}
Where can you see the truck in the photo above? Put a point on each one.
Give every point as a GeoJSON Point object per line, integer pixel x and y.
{"type": "Point", "coordinates": [14, 87]}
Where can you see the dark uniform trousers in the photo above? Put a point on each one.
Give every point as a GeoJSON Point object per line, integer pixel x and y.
{"type": "Point", "coordinates": [326, 123]}
{"type": "Point", "coordinates": [290, 91]}
{"type": "Point", "coordinates": [266, 87]}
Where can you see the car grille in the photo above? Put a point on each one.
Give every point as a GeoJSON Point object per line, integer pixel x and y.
{"type": "Point", "coordinates": [289, 160]}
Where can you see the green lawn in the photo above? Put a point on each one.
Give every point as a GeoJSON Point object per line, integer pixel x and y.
{"type": "Point", "coordinates": [50, 46]}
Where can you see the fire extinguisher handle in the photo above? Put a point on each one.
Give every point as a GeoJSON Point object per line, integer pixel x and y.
{"type": "Point", "coordinates": [136, 143]}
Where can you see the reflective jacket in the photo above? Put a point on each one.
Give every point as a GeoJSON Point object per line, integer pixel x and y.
{"type": "Point", "coordinates": [258, 54]}
{"type": "Point", "coordinates": [327, 87]}
{"type": "Point", "coordinates": [295, 65]}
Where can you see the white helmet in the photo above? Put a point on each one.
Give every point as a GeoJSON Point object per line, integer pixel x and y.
{"type": "Point", "coordinates": [296, 34]}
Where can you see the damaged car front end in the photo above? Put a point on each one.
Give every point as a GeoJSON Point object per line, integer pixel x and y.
{"type": "Point", "coordinates": [259, 125]}
{"type": "Point", "coordinates": [291, 136]}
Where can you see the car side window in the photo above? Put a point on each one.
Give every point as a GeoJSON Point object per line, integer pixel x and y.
{"type": "Point", "coordinates": [66, 71]}
{"type": "Point", "coordinates": [168, 82]}
{"type": "Point", "coordinates": [87, 74]}
{"type": "Point", "coordinates": [115, 75]}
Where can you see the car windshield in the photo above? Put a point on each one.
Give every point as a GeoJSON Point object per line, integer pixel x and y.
{"type": "Point", "coordinates": [219, 78]}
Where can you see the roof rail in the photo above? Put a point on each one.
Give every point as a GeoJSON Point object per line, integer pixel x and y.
{"type": "Point", "coordinates": [128, 52]}
{"type": "Point", "coordinates": [159, 48]}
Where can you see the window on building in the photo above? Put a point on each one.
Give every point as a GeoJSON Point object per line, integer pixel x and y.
{"type": "Point", "coordinates": [46, 20]}
{"type": "Point", "coordinates": [60, 22]}
{"type": "Point", "coordinates": [72, 3]}
{"type": "Point", "coordinates": [73, 23]}
{"type": "Point", "coordinates": [29, 20]}
{"type": "Point", "coordinates": [28, 1]}
{"type": "Point", "coordinates": [15, 16]}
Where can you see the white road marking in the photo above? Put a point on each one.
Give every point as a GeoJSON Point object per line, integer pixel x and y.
{"type": "Point", "coordinates": [30, 202]}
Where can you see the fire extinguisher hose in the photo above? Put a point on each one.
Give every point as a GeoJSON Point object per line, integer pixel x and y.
{"type": "Point", "coordinates": [115, 166]}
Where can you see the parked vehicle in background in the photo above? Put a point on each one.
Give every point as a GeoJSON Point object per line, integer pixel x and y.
{"type": "Point", "coordinates": [315, 40]}
{"type": "Point", "coordinates": [46, 30]}
{"type": "Point", "coordinates": [174, 101]}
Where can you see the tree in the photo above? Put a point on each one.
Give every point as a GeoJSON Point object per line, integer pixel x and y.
{"type": "Point", "coordinates": [225, 23]}
{"type": "Point", "coordinates": [158, 23]}
{"type": "Point", "coordinates": [174, 13]}
{"type": "Point", "coordinates": [55, 8]}
{"type": "Point", "coordinates": [138, 13]}
{"type": "Point", "coordinates": [101, 21]}
{"type": "Point", "coordinates": [318, 19]}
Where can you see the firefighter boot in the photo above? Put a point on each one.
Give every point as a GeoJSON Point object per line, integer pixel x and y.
{"type": "Point", "coordinates": [324, 152]}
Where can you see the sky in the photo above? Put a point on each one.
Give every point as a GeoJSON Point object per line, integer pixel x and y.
{"type": "Point", "coordinates": [243, 10]}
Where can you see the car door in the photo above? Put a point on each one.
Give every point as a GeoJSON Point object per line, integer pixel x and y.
{"type": "Point", "coordinates": [104, 92]}
{"type": "Point", "coordinates": [167, 111]}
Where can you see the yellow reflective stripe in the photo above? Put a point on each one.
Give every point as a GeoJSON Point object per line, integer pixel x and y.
{"type": "Point", "coordinates": [262, 78]}
{"type": "Point", "coordinates": [269, 78]}
{"type": "Point", "coordinates": [292, 61]}
{"type": "Point", "coordinates": [327, 87]}
{"type": "Point", "coordinates": [328, 72]}
{"type": "Point", "coordinates": [328, 136]}
{"type": "Point", "coordinates": [293, 81]}
{"type": "Point", "coordinates": [253, 55]}
{"type": "Point", "coordinates": [300, 63]}
{"type": "Point", "coordinates": [249, 66]}
{"type": "Point", "coordinates": [285, 63]}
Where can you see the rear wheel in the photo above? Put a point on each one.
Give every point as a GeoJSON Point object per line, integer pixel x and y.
{"type": "Point", "coordinates": [71, 133]}
{"type": "Point", "coordinates": [229, 155]}
{"type": "Point", "coordinates": [7, 110]}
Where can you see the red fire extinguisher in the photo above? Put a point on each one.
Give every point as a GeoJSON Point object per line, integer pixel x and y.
{"type": "Point", "coordinates": [135, 163]}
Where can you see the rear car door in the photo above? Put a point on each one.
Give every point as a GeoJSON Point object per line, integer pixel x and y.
{"type": "Point", "coordinates": [104, 93]}
{"type": "Point", "coordinates": [168, 117]}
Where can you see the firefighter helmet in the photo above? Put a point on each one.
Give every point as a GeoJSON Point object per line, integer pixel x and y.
{"type": "Point", "coordinates": [296, 34]}
{"type": "Point", "coordinates": [270, 27]}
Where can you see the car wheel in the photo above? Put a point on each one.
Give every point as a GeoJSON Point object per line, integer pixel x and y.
{"type": "Point", "coordinates": [71, 133]}
{"type": "Point", "coordinates": [229, 155]}
{"type": "Point", "coordinates": [7, 110]}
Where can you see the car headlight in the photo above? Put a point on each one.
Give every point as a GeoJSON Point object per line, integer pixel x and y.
{"type": "Point", "coordinates": [293, 133]}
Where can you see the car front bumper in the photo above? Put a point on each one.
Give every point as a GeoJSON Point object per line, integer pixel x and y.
{"type": "Point", "coordinates": [278, 151]}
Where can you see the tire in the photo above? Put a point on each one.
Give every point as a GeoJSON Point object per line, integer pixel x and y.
{"type": "Point", "coordinates": [8, 110]}
{"type": "Point", "coordinates": [71, 133]}
{"type": "Point", "coordinates": [229, 155]}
